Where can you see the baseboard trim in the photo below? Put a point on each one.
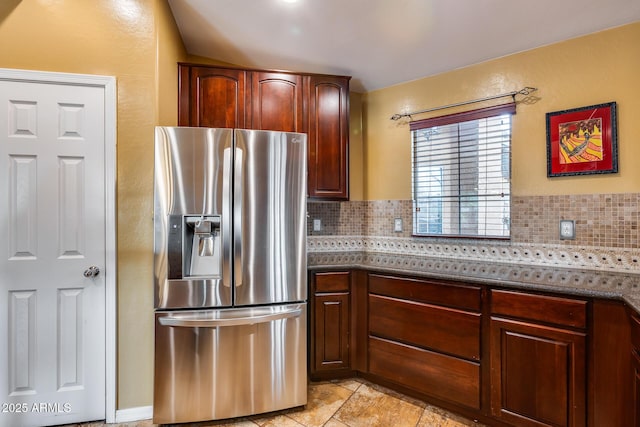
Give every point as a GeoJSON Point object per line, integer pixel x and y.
{"type": "Point", "coordinates": [134, 414]}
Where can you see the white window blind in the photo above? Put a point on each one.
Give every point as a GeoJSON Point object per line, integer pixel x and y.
{"type": "Point", "coordinates": [461, 174]}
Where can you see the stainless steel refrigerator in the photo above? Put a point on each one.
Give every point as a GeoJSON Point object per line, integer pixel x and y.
{"type": "Point", "coordinates": [230, 273]}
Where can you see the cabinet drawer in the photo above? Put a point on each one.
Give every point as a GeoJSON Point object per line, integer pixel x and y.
{"type": "Point", "coordinates": [333, 281]}
{"type": "Point", "coordinates": [448, 378]}
{"type": "Point", "coordinates": [432, 327]}
{"type": "Point", "coordinates": [441, 292]}
{"type": "Point", "coordinates": [542, 308]}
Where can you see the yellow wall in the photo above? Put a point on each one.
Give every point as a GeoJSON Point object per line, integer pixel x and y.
{"type": "Point", "coordinates": [170, 50]}
{"type": "Point", "coordinates": [137, 42]}
{"type": "Point", "coordinates": [356, 176]}
{"type": "Point", "coordinates": [597, 68]}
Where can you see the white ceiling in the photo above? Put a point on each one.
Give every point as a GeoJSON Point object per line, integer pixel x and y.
{"type": "Point", "coordinates": [384, 42]}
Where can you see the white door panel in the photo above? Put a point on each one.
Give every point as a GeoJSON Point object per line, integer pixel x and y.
{"type": "Point", "coordinates": [52, 218]}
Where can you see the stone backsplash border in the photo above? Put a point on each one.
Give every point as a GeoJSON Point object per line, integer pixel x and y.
{"type": "Point", "coordinates": [592, 258]}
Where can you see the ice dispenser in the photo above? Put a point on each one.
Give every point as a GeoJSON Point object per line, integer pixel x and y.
{"type": "Point", "coordinates": [194, 246]}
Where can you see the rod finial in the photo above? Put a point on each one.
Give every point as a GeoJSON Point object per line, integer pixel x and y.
{"type": "Point", "coordinates": [527, 90]}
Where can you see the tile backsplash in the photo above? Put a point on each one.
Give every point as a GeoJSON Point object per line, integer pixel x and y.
{"type": "Point", "coordinates": [603, 220]}
{"type": "Point", "coordinates": [607, 232]}
{"type": "Point", "coordinates": [362, 218]}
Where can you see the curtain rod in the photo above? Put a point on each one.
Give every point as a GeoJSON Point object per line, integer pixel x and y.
{"type": "Point", "coordinates": [524, 91]}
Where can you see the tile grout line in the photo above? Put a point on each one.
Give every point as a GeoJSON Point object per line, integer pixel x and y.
{"type": "Point", "coordinates": [343, 403]}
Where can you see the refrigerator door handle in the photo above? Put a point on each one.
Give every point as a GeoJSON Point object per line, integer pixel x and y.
{"type": "Point", "coordinates": [238, 219]}
{"type": "Point", "coordinates": [226, 218]}
{"type": "Point", "coordinates": [206, 322]}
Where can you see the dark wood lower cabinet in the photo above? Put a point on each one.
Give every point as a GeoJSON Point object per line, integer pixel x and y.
{"type": "Point", "coordinates": [330, 324]}
{"type": "Point", "coordinates": [538, 374]}
{"type": "Point", "coordinates": [500, 356]}
{"type": "Point", "coordinates": [331, 331]}
{"type": "Point", "coordinates": [636, 390]}
{"type": "Point", "coordinates": [634, 320]}
{"type": "Point", "coordinates": [426, 337]}
{"type": "Point", "coordinates": [538, 359]}
{"type": "Point", "coordinates": [610, 368]}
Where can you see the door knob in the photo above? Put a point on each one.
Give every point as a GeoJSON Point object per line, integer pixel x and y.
{"type": "Point", "coordinates": [92, 271]}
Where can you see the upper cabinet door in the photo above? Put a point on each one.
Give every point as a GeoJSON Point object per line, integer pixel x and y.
{"type": "Point", "coordinates": [328, 165]}
{"type": "Point", "coordinates": [213, 97]}
{"type": "Point", "coordinates": [277, 102]}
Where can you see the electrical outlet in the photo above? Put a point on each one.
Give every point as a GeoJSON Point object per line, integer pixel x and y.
{"type": "Point", "coordinates": [397, 225]}
{"type": "Point", "coordinates": [317, 224]}
{"type": "Point", "coordinates": [567, 229]}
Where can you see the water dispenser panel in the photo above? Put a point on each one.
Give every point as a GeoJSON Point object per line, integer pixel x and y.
{"type": "Point", "coordinates": [203, 245]}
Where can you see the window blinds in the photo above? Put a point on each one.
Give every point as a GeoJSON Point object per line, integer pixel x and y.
{"type": "Point", "coordinates": [461, 173]}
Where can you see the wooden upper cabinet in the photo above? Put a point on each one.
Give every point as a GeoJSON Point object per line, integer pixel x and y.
{"type": "Point", "coordinates": [328, 137]}
{"type": "Point", "coordinates": [277, 102]}
{"type": "Point", "coordinates": [213, 97]}
{"type": "Point", "coordinates": [220, 97]}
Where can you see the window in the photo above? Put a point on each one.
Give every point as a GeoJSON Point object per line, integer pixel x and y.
{"type": "Point", "coordinates": [461, 174]}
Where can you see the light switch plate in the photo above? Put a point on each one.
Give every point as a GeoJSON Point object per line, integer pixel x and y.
{"type": "Point", "coordinates": [397, 225]}
{"type": "Point", "coordinates": [567, 229]}
{"type": "Point", "coordinates": [317, 224]}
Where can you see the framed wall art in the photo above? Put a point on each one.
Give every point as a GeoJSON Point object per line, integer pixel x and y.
{"type": "Point", "coordinates": [582, 141]}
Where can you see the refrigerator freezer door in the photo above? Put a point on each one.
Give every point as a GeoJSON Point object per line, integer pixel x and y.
{"type": "Point", "coordinates": [229, 363]}
{"type": "Point", "coordinates": [270, 187]}
{"type": "Point", "coordinates": [192, 217]}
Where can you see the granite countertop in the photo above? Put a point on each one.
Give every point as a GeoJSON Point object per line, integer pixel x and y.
{"type": "Point", "coordinates": [578, 282]}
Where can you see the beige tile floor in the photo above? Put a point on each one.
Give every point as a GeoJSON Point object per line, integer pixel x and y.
{"type": "Point", "coordinates": [344, 403]}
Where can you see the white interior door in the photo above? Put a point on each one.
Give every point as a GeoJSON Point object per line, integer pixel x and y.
{"type": "Point", "coordinates": [52, 229]}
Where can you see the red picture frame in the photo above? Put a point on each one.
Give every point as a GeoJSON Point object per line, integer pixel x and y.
{"type": "Point", "coordinates": [582, 141]}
